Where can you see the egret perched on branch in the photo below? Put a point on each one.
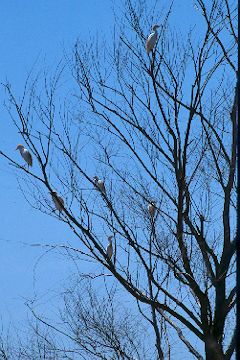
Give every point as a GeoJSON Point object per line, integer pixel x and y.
{"type": "Point", "coordinates": [152, 39]}
{"type": "Point", "coordinates": [109, 249]}
{"type": "Point", "coordinates": [99, 184]}
{"type": "Point", "coordinates": [25, 154]}
{"type": "Point", "coordinates": [152, 208]}
{"type": "Point", "coordinates": [58, 201]}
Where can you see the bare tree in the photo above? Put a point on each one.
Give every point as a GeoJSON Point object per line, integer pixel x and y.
{"type": "Point", "coordinates": [158, 127]}
{"type": "Point", "coordinates": [90, 326]}
{"type": "Point", "coordinates": [36, 344]}
{"type": "Point", "coordinates": [98, 326]}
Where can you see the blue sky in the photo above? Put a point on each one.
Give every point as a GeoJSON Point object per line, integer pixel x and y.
{"type": "Point", "coordinates": [34, 32]}
{"type": "Point", "coordinates": [38, 31]}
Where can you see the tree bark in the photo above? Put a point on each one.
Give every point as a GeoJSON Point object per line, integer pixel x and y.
{"type": "Point", "coordinates": [213, 349]}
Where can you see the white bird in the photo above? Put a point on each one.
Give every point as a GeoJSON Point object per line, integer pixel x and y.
{"type": "Point", "coordinates": [152, 208]}
{"type": "Point", "coordinates": [99, 184]}
{"type": "Point", "coordinates": [109, 249]}
{"type": "Point", "coordinates": [152, 39]}
{"type": "Point", "coordinates": [58, 201]}
{"type": "Point", "coordinates": [25, 154]}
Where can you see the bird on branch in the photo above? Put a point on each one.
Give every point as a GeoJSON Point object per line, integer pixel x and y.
{"type": "Point", "coordinates": [99, 184]}
{"type": "Point", "coordinates": [152, 208]}
{"type": "Point", "coordinates": [26, 155]}
{"type": "Point", "coordinates": [58, 201]}
{"type": "Point", "coordinates": [152, 39]}
{"type": "Point", "coordinates": [109, 249]}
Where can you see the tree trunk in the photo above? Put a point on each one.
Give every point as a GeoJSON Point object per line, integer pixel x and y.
{"type": "Point", "coordinates": [213, 349]}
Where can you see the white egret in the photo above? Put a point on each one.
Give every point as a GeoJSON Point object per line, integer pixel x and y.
{"type": "Point", "coordinates": [99, 184]}
{"type": "Point", "coordinates": [152, 208]}
{"type": "Point", "coordinates": [58, 201]}
{"type": "Point", "coordinates": [109, 249]}
{"type": "Point", "coordinates": [152, 39]}
{"type": "Point", "coordinates": [25, 154]}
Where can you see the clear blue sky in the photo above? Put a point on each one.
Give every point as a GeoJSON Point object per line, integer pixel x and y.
{"type": "Point", "coordinates": [30, 31]}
